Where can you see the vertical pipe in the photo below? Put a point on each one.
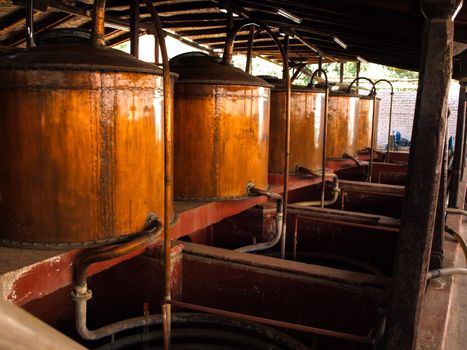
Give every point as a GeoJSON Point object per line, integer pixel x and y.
{"type": "Point", "coordinates": [390, 113]}
{"type": "Point", "coordinates": [97, 24]}
{"type": "Point", "coordinates": [157, 58]}
{"type": "Point", "coordinates": [249, 55]}
{"type": "Point", "coordinates": [357, 73]}
{"type": "Point", "coordinates": [168, 164]}
{"type": "Point", "coordinates": [372, 138]}
{"type": "Point", "coordinates": [295, 239]}
{"type": "Point", "coordinates": [286, 50]}
{"type": "Point", "coordinates": [341, 73]}
{"type": "Point", "coordinates": [325, 131]}
{"type": "Point", "coordinates": [423, 178]}
{"type": "Point", "coordinates": [30, 24]}
{"type": "Point", "coordinates": [226, 59]}
{"type": "Point", "coordinates": [389, 127]}
{"type": "Point", "coordinates": [134, 27]}
{"type": "Point", "coordinates": [459, 149]}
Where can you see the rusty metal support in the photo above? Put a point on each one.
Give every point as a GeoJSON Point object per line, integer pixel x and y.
{"type": "Point", "coordinates": [373, 116]}
{"type": "Point", "coordinates": [134, 27]}
{"type": "Point", "coordinates": [227, 58]}
{"type": "Point", "coordinates": [459, 149]}
{"type": "Point", "coordinates": [437, 249]}
{"type": "Point", "coordinates": [249, 54]}
{"type": "Point", "coordinates": [390, 115]}
{"type": "Point", "coordinates": [417, 221]}
{"type": "Point", "coordinates": [30, 24]}
{"type": "Point", "coordinates": [168, 166]}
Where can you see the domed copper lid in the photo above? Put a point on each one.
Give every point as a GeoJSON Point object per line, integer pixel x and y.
{"type": "Point", "coordinates": [200, 68]}
{"type": "Point", "coordinates": [70, 49]}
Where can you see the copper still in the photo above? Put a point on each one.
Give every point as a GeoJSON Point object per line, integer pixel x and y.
{"type": "Point", "coordinates": [306, 127]}
{"type": "Point", "coordinates": [81, 143]}
{"type": "Point", "coordinates": [221, 129]}
{"type": "Point", "coordinates": [342, 124]}
{"type": "Point", "coordinates": [365, 123]}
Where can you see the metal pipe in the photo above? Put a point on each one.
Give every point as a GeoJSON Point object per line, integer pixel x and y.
{"type": "Point", "coordinates": [355, 159]}
{"type": "Point", "coordinates": [30, 24]}
{"type": "Point", "coordinates": [373, 93]}
{"type": "Point", "coordinates": [97, 24]}
{"type": "Point", "coordinates": [335, 190]}
{"type": "Point", "coordinates": [325, 128]}
{"type": "Point", "coordinates": [275, 323]}
{"type": "Point", "coordinates": [279, 212]}
{"type": "Point", "coordinates": [226, 59]}
{"type": "Point", "coordinates": [249, 54]}
{"type": "Point", "coordinates": [456, 211]}
{"type": "Point", "coordinates": [81, 294]}
{"type": "Point", "coordinates": [134, 27]}
{"type": "Point", "coordinates": [459, 240]}
{"type": "Point", "coordinates": [448, 271]}
{"type": "Point", "coordinates": [168, 161]}
{"type": "Point", "coordinates": [295, 239]}
{"type": "Point", "coordinates": [458, 149]}
{"type": "Point", "coordinates": [21, 330]}
{"type": "Point", "coordinates": [351, 224]}
{"type": "Point", "coordinates": [390, 114]}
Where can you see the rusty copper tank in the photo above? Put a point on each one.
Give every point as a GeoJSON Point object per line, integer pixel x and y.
{"type": "Point", "coordinates": [81, 144]}
{"type": "Point", "coordinates": [365, 122]}
{"type": "Point", "coordinates": [306, 127]}
{"type": "Point", "coordinates": [221, 129]}
{"type": "Point", "coordinates": [342, 124]}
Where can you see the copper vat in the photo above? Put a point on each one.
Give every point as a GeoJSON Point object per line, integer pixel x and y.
{"type": "Point", "coordinates": [306, 127]}
{"type": "Point", "coordinates": [342, 123]}
{"type": "Point", "coordinates": [221, 129]}
{"type": "Point", "coordinates": [365, 123]}
{"type": "Point", "coordinates": [81, 145]}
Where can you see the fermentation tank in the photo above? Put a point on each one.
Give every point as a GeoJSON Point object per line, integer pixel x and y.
{"type": "Point", "coordinates": [221, 129]}
{"type": "Point", "coordinates": [81, 143]}
{"type": "Point", "coordinates": [306, 127]}
{"type": "Point", "coordinates": [342, 123]}
{"type": "Point", "coordinates": [365, 122]}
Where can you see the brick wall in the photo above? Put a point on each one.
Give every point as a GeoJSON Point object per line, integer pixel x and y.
{"type": "Point", "coordinates": [403, 111]}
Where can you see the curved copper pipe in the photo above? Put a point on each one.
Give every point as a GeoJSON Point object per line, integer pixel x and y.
{"type": "Point", "coordinates": [373, 93]}
{"type": "Point", "coordinates": [325, 129]}
{"type": "Point", "coordinates": [81, 293]}
{"type": "Point", "coordinates": [140, 241]}
{"type": "Point", "coordinates": [97, 24]}
{"type": "Point", "coordinates": [390, 113]}
{"type": "Point", "coordinates": [168, 166]}
{"type": "Point", "coordinates": [226, 59]}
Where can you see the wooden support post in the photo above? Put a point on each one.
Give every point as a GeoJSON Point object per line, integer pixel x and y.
{"type": "Point", "coordinates": [459, 149]}
{"type": "Point", "coordinates": [249, 54]}
{"type": "Point", "coordinates": [134, 27]}
{"type": "Point", "coordinates": [423, 178]}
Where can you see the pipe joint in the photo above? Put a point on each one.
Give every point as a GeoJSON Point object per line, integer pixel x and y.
{"type": "Point", "coordinates": [81, 293]}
